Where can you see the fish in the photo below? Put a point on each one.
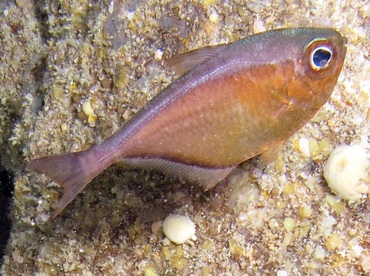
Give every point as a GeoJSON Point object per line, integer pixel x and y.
{"type": "Point", "coordinates": [231, 102]}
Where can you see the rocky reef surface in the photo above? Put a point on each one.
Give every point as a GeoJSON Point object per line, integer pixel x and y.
{"type": "Point", "coordinates": [73, 72]}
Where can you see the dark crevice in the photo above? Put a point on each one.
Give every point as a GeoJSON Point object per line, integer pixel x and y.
{"type": "Point", "coordinates": [42, 17]}
{"type": "Point", "coordinates": [39, 68]}
{"type": "Point", "coordinates": [6, 194]}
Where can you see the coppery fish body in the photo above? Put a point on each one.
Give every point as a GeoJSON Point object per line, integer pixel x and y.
{"type": "Point", "coordinates": [238, 101]}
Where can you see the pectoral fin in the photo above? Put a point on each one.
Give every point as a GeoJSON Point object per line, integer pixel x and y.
{"type": "Point", "coordinates": [270, 154]}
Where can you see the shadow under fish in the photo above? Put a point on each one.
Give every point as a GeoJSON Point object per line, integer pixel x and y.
{"type": "Point", "coordinates": [232, 102]}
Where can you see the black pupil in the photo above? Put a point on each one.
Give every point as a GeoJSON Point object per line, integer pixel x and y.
{"type": "Point", "coordinates": [321, 57]}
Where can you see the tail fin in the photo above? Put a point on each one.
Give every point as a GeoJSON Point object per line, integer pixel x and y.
{"type": "Point", "coordinates": [72, 171]}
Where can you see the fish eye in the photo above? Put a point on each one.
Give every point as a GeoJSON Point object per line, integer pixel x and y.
{"type": "Point", "coordinates": [320, 58]}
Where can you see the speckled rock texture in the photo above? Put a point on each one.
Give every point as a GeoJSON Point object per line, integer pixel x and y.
{"type": "Point", "coordinates": [73, 72]}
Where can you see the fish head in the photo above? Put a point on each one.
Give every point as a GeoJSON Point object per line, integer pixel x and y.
{"type": "Point", "coordinates": [320, 55]}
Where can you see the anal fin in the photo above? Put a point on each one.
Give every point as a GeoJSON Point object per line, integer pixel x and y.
{"type": "Point", "coordinates": [207, 178]}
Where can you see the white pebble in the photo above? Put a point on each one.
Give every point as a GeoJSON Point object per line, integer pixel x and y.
{"type": "Point", "coordinates": [345, 169]}
{"type": "Point", "coordinates": [320, 253]}
{"type": "Point", "coordinates": [259, 26]}
{"type": "Point", "coordinates": [213, 17]}
{"type": "Point", "coordinates": [178, 229]}
{"type": "Point", "coordinates": [303, 146]}
{"type": "Point", "coordinates": [282, 273]}
{"type": "Point", "coordinates": [158, 54]}
{"type": "Point", "coordinates": [111, 7]}
{"type": "Point", "coordinates": [130, 15]}
{"type": "Point", "coordinates": [87, 108]}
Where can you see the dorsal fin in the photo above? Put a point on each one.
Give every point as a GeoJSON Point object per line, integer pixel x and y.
{"type": "Point", "coordinates": [207, 178]}
{"type": "Point", "coordinates": [183, 63]}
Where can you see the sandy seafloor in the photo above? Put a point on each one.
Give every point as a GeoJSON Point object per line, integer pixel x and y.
{"type": "Point", "coordinates": [280, 219]}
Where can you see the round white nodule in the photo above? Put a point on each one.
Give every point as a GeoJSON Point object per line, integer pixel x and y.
{"type": "Point", "coordinates": [345, 170]}
{"type": "Point", "coordinates": [178, 229]}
